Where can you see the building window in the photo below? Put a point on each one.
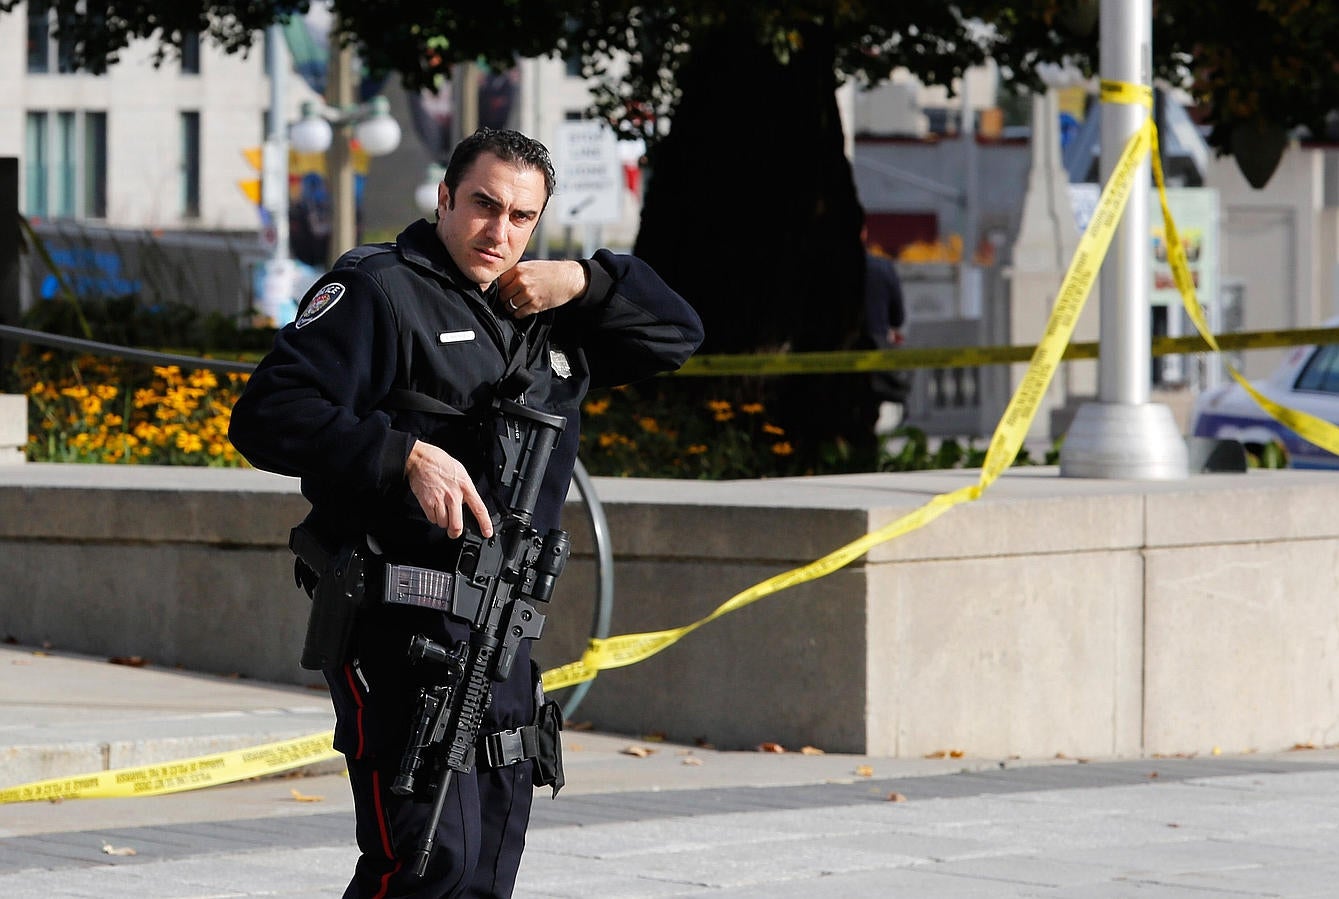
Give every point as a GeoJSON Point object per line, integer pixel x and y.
{"type": "Point", "coordinates": [190, 165]}
{"type": "Point", "coordinates": [39, 37]}
{"type": "Point", "coordinates": [40, 44]}
{"type": "Point", "coordinates": [65, 164]}
{"type": "Point", "coordinates": [95, 165]}
{"type": "Point", "coordinates": [190, 53]}
{"type": "Point", "coordinates": [35, 165]}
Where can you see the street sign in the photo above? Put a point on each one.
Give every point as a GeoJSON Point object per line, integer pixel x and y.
{"type": "Point", "coordinates": [590, 175]}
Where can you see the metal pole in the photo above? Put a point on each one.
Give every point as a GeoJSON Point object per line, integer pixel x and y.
{"type": "Point", "coordinates": [277, 137]}
{"type": "Point", "coordinates": [1123, 372]}
{"type": "Point", "coordinates": [11, 304]}
{"type": "Point", "coordinates": [1123, 435]}
{"type": "Point", "coordinates": [339, 94]}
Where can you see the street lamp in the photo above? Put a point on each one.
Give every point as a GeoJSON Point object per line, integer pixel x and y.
{"type": "Point", "coordinates": [425, 195]}
{"type": "Point", "coordinates": [373, 127]}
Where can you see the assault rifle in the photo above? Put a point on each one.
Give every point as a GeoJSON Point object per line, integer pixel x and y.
{"type": "Point", "coordinates": [494, 585]}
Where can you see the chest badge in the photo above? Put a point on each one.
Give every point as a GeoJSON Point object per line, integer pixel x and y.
{"type": "Point", "coordinates": [559, 363]}
{"type": "Point", "coordinates": [455, 336]}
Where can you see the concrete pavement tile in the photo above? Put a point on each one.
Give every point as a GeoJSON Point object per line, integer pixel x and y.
{"type": "Point", "coordinates": [897, 883]}
{"type": "Point", "coordinates": [1134, 889]}
{"type": "Point", "coordinates": [1029, 870]}
{"type": "Point", "coordinates": [668, 836]}
{"type": "Point", "coordinates": [288, 873]}
{"type": "Point", "coordinates": [759, 864]}
{"type": "Point", "coordinates": [1278, 879]}
{"type": "Point", "coordinates": [1158, 862]}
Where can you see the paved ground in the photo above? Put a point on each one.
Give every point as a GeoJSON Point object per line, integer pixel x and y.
{"type": "Point", "coordinates": [664, 821]}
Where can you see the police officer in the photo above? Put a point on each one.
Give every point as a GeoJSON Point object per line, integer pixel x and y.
{"type": "Point", "coordinates": [375, 396]}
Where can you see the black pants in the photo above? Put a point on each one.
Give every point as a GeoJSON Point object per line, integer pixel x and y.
{"type": "Point", "coordinates": [479, 838]}
{"type": "Point", "coordinates": [482, 830]}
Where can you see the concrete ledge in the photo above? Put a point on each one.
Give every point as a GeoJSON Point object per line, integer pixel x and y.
{"type": "Point", "coordinates": [1089, 618]}
{"type": "Point", "coordinates": [13, 428]}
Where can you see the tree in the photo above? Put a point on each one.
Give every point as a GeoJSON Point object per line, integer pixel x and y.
{"type": "Point", "coordinates": [751, 209]}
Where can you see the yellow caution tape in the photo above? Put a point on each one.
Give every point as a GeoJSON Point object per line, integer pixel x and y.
{"type": "Point", "coordinates": [175, 777]}
{"type": "Point", "coordinates": [1316, 430]}
{"type": "Point", "coordinates": [906, 358]}
{"type": "Point", "coordinates": [627, 649]}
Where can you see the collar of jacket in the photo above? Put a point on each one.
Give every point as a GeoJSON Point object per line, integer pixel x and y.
{"type": "Point", "coordinates": [419, 245]}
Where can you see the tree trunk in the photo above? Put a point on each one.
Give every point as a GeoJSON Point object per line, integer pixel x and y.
{"type": "Point", "coordinates": [751, 214]}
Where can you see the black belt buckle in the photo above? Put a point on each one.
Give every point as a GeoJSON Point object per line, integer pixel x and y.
{"type": "Point", "coordinates": [504, 748]}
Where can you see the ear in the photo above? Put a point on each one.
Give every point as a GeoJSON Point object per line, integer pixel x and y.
{"type": "Point", "coordinates": [444, 197]}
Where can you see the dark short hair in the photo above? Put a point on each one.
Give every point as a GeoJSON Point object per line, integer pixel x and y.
{"type": "Point", "coordinates": [509, 146]}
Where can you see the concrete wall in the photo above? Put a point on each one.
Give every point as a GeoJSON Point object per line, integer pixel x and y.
{"type": "Point", "coordinates": [1088, 618]}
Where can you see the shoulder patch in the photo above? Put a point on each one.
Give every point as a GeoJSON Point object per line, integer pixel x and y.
{"type": "Point", "coordinates": [321, 303]}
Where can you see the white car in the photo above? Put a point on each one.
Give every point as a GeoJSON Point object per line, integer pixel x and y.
{"type": "Point", "coordinates": [1308, 380]}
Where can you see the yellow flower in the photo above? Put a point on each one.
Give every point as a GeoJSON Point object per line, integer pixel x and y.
{"type": "Point", "coordinates": [596, 407]}
{"type": "Point", "coordinates": [718, 406]}
{"type": "Point", "coordinates": [203, 379]}
{"type": "Point", "coordinates": [724, 414]}
{"type": "Point", "coordinates": [648, 424]}
{"type": "Point", "coordinates": [751, 408]}
{"type": "Point", "coordinates": [190, 443]}
{"type": "Point", "coordinates": [769, 428]}
{"type": "Point", "coordinates": [783, 448]}
{"type": "Point", "coordinates": [697, 449]}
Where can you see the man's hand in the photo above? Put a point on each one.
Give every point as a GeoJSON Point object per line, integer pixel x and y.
{"type": "Point", "coordinates": [442, 487]}
{"type": "Point", "coordinates": [538, 284]}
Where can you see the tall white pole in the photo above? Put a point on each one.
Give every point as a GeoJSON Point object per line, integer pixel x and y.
{"type": "Point", "coordinates": [1124, 371]}
{"type": "Point", "coordinates": [340, 94]}
{"type": "Point", "coordinates": [1123, 435]}
{"type": "Point", "coordinates": [275, 154]}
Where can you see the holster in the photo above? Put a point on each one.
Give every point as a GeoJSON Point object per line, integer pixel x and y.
{"type": "Point", "coordinates": [337, 595]}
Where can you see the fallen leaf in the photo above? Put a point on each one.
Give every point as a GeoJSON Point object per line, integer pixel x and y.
{"type": "Point", "coordinates": [812, 750]}
{"type": "Point", "coordinates": [109, 849]}
{"type": "Point", "coordinates": [702, 743]}
{"type": "Point", "coordinates": [956, 753]}
{"type": "Point", "coordinates": [654, 736]}
{"type": "Point", "coordinates": [303, 797]}
{"type": "Point", "coordinates": [771, 747]}
{"type": "Point", "coordinates": [1301, 746]}
{"type": "Point", "coordinates": [692, 760]}
{"type": "Point", "coordinates": [129, 661]}
{"type": "Point", "coordinates": [864, 771]}
{"type": "Point", "coordinates": [896, 797]}
{"type": "Point", "coordinates": [640, 752]}
{"type": "Point", "coordinates": [937, 754]}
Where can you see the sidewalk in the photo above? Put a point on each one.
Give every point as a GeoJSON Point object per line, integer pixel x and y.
{"type": "Point", "coordinates": [645, 819]}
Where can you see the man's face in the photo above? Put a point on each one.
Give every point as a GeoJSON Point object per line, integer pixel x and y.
{"type": "Point", "coordinates": [495, 210]}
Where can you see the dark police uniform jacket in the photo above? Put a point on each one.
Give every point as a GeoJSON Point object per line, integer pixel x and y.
{"type": "Point", "coordinates": [395, 318]}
